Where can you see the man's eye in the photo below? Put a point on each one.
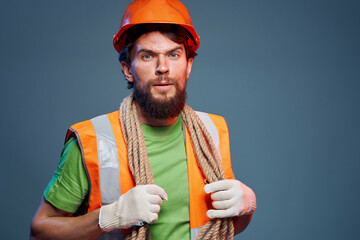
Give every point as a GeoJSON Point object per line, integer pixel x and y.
{"type": "Point", "coordinates": [146, 56]}
{"type": "Point", "coordinates": [174, 55]}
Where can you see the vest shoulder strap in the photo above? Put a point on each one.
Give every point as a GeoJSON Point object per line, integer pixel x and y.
{"type": "Point", "coordinates": [210, 126]}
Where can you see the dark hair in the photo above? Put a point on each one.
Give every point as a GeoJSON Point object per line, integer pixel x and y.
{"type": "Point", "coordinates": [173, 32]}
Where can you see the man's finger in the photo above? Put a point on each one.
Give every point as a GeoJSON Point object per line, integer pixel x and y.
{"type": "Point", "coordinates": [155, 199]}
{"type": "Point", "coordinates": [220, 213]}
{"type": "Point", "coordinates": [222, 205]}
{"type": "Point", "coordinates": [151, 218]}
{"type": "Point", "coordinates": [154, 208]}
{"type": "Point", "coordinates": [156, 190]}
{"type": "Point", "coordinates": [222, 195]}
{"type": "Point", "coordinates": [217, 186]}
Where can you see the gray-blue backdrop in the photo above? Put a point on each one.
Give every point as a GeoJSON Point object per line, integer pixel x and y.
{"type": "Point", "coordinates": [284, 73]}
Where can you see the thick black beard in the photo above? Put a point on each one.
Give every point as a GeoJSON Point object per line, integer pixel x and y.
{"type": "Point", "coordinates": [160, 109]}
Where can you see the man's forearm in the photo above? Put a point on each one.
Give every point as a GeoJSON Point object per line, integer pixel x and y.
{"type": "Point", "coordinates": [241, 222]}
{"type": "Point", "coordinates": [59, 227]}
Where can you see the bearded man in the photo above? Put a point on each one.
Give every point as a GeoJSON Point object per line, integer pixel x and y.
{"type": "Point", "coordinates": [155, 168]}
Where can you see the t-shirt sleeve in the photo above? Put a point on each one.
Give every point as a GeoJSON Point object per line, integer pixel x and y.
{"type": "Point", "coordinates": [69, 185]}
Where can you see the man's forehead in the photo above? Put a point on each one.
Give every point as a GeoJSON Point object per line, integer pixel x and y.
{"type": "Point", "coordinates": [156, 41]}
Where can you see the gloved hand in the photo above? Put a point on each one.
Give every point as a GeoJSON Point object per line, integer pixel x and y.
{"type": "Point", "coordinates": [230, 198]}
{"type": "Point", "coordinates": [140, 204]}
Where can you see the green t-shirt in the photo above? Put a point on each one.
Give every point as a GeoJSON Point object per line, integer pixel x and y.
{"type": "Point", "coordinates": [167, 157]}
{"type": "Point", "coordinates": [69, 185]}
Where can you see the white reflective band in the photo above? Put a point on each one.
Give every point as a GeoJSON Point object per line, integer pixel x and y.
{"type": "Point", "coordinates": [194, 232]}
{"type": "Point", "coordinates": [108, 159]}
{"type": "Point", "coordinates": [210, 126]}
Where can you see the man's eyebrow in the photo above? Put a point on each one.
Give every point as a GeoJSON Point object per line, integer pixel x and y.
{"type": "Point", "coordinates": [144, 50]}
{"type": "Point", "coordinates": [176, 48]}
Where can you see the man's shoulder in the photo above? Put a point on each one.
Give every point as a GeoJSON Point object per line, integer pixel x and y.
{"type": "Point", "coordinates": [217, 119]}
{"type": "Point", "coordinates": [200, 113]}
{"type": "Point", "coordinates": [102, 117]}
{"type": "Point", "coordinates": [88, 127]}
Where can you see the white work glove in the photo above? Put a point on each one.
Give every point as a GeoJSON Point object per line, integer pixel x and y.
{"type": "Point", "coordinates": [230, 198]}
{"type": "Point", "coordinates": [139, 205]}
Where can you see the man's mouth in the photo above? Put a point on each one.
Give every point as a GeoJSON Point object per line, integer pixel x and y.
{"type": "Point", "coordinates": [163, 85]}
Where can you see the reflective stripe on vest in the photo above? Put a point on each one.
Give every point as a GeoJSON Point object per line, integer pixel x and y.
{"type": "Point", "coordinates": [103, 147]}
{"type": "Point", "coordinates": [108, 160]}
{"type": "Point", "coordinates": [210, 126]}
{"type": "Point", "coordinates": [194, 232]}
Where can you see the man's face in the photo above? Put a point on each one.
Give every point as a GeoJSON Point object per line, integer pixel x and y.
{"type": "Point", "coordinates": [159, 70]}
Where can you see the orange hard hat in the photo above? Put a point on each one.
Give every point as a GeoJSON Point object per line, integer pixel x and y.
{"type": "Point", "coordinates": [158, 12]}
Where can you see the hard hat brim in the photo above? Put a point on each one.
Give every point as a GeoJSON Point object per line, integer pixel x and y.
{"type": "Point", "coordinates": [193, 42]}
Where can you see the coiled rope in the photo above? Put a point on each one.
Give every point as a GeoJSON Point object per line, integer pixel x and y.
{"type": "Point", "coordinates": [205, 153]}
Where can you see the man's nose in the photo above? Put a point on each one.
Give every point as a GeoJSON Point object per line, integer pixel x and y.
{"type": "Point", "coordinates": [162, 65]}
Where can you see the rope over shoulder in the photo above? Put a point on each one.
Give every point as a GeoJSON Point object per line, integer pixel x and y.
{"type": "Point", "coordinates": [205, 153]}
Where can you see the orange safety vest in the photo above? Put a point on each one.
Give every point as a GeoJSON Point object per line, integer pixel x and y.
{"type": "Point", "coordinates": [104, 155]}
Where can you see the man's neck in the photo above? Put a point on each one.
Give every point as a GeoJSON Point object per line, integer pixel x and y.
{"type": "Point", "coordinates": [146, 119]}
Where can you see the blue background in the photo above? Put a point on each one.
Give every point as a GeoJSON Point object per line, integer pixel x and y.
{"type": "Point", "coordinates": [284, 73]}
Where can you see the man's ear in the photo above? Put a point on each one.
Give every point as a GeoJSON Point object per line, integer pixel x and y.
{"type": "Point", "coordinates": [189, 66]}
{"type": "Point", "coordinates": [127, 71]}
